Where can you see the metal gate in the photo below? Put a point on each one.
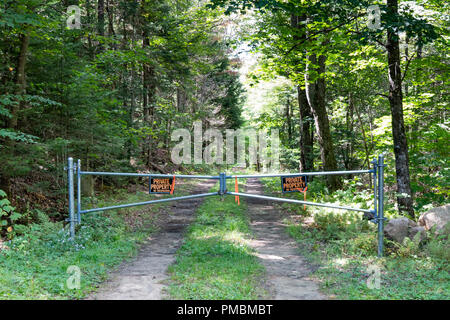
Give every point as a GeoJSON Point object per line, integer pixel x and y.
{"type": "Point", "coordinates": [375, 215]}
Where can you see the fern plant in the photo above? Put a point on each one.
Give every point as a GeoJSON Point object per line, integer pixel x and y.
{"type": "Point", "coordinates": [8, 216]}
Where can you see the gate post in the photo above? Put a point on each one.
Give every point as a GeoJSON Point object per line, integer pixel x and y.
{"type": "Point", "coordinates": [79, 191]}
{"type": "Point", "coordinates": [223, 184]}
{"type": "Point", "coordinates": [71, 198]}
{"type": "Point", "coordinates": [375, 190]}
{"type": "Point", "coordinates": [380, 204]}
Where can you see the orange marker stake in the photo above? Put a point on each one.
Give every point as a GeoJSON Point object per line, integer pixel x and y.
{"type": "Point", "coordinates": [173, 186]}
{"type": "Point", "coordinates": [236, 189]}
{"type": "Point", "coordinates": [304, 193]}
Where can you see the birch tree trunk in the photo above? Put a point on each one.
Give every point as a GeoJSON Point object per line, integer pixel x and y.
{"type": "Point", "coordinates": [306, 136]}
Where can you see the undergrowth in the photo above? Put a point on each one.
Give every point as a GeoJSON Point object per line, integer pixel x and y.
{"type": "Point", "coordinates": [43, 263]}
{"type": "Point", "coordinates": [345, 245]}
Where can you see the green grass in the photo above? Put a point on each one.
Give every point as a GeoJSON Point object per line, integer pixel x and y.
{"type": "Point", "coordinates": [35, 264]}
{"type": "Point", "coordinates": [215, 262]}
{"type": "Point", "coordinates": [345, 247]}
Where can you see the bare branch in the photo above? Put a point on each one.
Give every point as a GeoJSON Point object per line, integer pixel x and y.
{"type": "Point", "coordinates": [321, 32]}
{"type": "Point", "coordinates": [407, 65]}
{"type": "Point", "coordinates": [383, 95]}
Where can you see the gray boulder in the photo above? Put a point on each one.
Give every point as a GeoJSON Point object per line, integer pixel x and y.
{"type": "Point", "coordinates": [412, 232]}
{"type": "Point", "coordinates": [437, 217]}
{"type": "Point", "coordinates": [398, 229]}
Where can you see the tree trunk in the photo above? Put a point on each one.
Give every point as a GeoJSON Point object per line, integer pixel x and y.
{"type": "Point", "coordinates": [101, 17]}
{"type": "Point", "coordinates": [306, 135]}
{"type": "Point", "coordinates": [363, 131]}
{"type": "Point", "coordinates": [148, 98]}
{"type": "Point", "coordinates": [181, 99]}
{"type": "Point", "coordinates": [315, 94]}
{"type": "Point", "coordinates": [109, 10]}
{"type": "Point", "coordinates": [322, 124]}
{"type": "Point", "coordinates": [145, 104]}
{"type": "Point", "coordinates": [20, 79]}
{"type": "Point", "coordinates": [415, 127]}
{"type": "Point", "coordinates": [145, 81]}
{"type": "Point", "coordinates": [404, 198]}
{"type": "Point", "coordinates": [348, 154]}
{"type": "Point", "coordinates": [5, 182]}
{"type": "Point", "coordinates": [288, 119]}
{"type": "Point", "coordinates": [100, 23]}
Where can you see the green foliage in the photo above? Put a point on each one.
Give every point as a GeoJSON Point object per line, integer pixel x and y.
{"type": "Point", "coordinates": [439, 247]}
{"type": "Point", "coordinates": [356, 83]}
{"type": "Point", "coordinates": [34, 265]}
{"type": "Point", "coordinates": [340, 225]}
{"type": "Point", "coordinates": [112, 94]}
{"type": "Point", "coordinates": [17, 136]}
{"type": "Point", "coordinates": [85, 94]}
{"type": "Point", "coordinates": [8, 216]}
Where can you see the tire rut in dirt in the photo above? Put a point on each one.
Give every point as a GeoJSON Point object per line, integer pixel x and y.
{"type": "Point", "coordinates": [287, 271]}
{"type": "Point", "coordinates": [142, 278]}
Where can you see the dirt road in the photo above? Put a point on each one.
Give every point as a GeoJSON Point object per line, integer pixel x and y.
{"type": "Point", "coordinates": [287, 271]}
{"type": "Point", "coordinates": [142, 278]}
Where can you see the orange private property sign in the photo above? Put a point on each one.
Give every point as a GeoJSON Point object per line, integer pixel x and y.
{"type": "Point", "coordinates": [293, 183]}
{"type": "Point", "coordinates": [162, 185]}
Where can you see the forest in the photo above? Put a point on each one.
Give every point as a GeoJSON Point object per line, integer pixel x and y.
{"type": "Point", "coordinates": [109, 81]}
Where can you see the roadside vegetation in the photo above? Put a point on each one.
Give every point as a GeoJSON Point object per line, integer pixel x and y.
{"type": "Point", "coordinates": [345, 247]}
{"type": "Point", "coordinates": [35, 264]}
{"type": "Point", "coordinates": [215, 262]}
